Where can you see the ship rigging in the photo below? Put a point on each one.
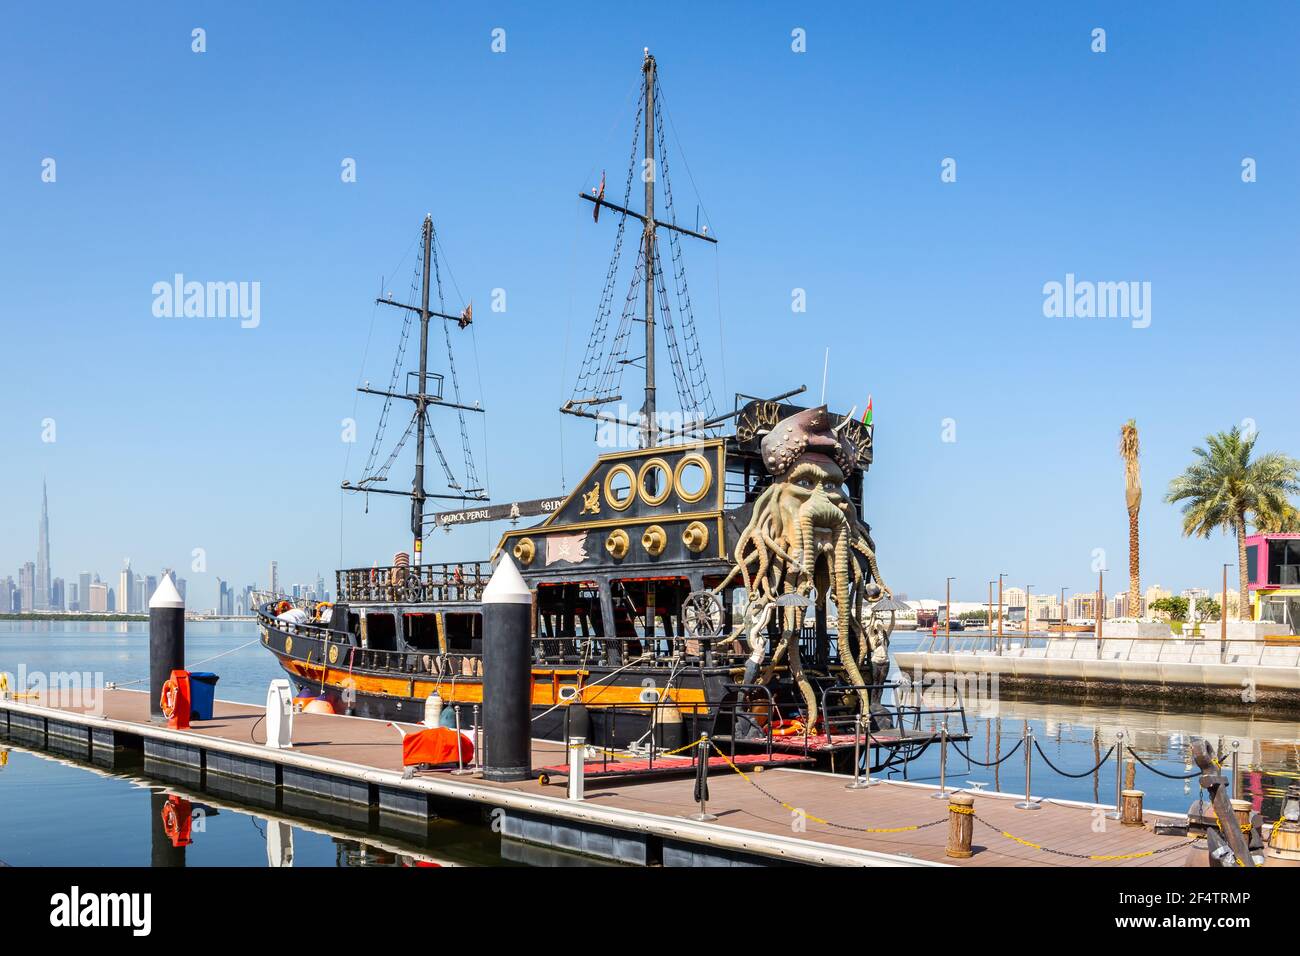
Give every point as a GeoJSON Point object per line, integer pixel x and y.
{"type": "Point", "coordinates": [428, 275]}
{"type": "Point", "coordinates": [600, 377]}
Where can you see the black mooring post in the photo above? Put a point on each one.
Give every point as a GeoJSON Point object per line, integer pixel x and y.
{"type": "Point", "coordinates": [507, 673]}
{"type": "Point", "coordinates": [166, 641]}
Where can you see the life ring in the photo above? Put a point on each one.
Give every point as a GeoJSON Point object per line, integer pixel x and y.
{"type": "Point", "coordinates": [787, 728]}
{"type": "Point", "coordinates": [171, 822]}
{"type": "Point", "coordinates": [167, 701]}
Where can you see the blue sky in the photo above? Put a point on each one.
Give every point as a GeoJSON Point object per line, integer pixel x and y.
{"type": "Point", "coordinates": [818, 170]}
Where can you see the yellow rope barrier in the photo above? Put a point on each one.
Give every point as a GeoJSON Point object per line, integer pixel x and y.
{"type": "Point", "coordinates": [1098, 857]}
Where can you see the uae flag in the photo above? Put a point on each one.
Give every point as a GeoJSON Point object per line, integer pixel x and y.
{"type": "Point", "coordinates": [866, 416]}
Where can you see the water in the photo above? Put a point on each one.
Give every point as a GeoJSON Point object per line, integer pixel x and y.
{"type": "Point", "coordinates": [57, 810]}
{"type": "Point", "coordinates": [119, 652]}
{"type": "Point", "coordinates": [62, 811]}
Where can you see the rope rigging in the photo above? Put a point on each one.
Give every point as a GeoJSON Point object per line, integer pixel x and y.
{"type": "Point", "coordinates": [593, 375]}
{"type": "Point", "coordinates": [368, 474]}
{"type": "Point", "coordinates": [600, 375]}
{"type": "Point", "coordinates": [694, 379]}
{"type": "Point", "coordinates": [471, 473]}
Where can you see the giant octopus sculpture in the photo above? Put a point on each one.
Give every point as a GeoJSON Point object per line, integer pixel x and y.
{"type": "Point", "coordinates": [804, 539]}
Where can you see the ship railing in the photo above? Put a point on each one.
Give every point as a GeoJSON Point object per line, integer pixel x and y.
{"type": "Point", "coordinates": [1208, 648]}
{"type": "Point", "coordinates": [657, 650]}
{"type": "Point", "coordinates": [427, 663]}
{"type": "Point", "coordinates": [894, 700]}
{"type": "Point", "coordinates": [261, 599]}
{"type": "Point", "coordinates": [455, 582]}
{"type": "Point", "coordinates": [265, 614]}
{"type": "Point", "coordinates": [420, 662]}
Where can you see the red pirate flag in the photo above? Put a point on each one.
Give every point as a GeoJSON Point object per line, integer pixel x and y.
{"type": "Point", "coordinates": [599, 194]}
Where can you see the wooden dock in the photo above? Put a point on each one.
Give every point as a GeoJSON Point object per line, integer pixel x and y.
{"type": "Point", "coordinates": [772, 815]}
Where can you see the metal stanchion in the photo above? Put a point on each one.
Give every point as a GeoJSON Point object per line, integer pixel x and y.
{"type": "Point", "coordinates": [475, 765]}
{"type": "Point", "coordinates": [461, 769]}
{"type": "Point", "coordinates": [943, 793]}
{"type": "Point", "coordinates": [577, 767]}
{"type": "Point", "coordinates": [1236, 750]}
{"type": "Point", "coordinates": [1028, 803]}
{"type": "Point", "coordinates": [702, 781]}
{"type": "Point", "coordinates": [859, 783]}
{"type": "Point", "coordinates": [1118, 813]}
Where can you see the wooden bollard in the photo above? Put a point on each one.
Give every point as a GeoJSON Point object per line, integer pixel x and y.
{"type": "Point", "coordinates": [1131, 801]}
{"type": "Point", "coordinates": [1242, 808]}
{"type": "Point", "coordinates": [961, 825]}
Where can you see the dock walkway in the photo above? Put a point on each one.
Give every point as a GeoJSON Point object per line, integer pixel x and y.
{"type": "Point", "coordinates": [774, 815]}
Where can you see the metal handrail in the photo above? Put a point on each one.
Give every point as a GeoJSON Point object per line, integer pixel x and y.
{"type": "Point", "coordinates": [772, 711]}
{"type": "Point", "coordinates": [1164, 645]}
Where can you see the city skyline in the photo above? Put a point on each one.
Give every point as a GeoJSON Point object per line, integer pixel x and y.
{"type": "Point", "coordinates": [38, 589]}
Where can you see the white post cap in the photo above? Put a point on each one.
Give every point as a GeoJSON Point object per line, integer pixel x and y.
{"type": "Point", "coordinates": [166, 595]}
{"type": "Point", "coordinates": [506, 585]}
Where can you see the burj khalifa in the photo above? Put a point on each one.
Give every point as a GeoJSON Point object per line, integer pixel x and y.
{"type": "Point", "coordinates": [41, 599]}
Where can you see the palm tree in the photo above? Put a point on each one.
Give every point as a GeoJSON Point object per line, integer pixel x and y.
{"type": "Point", "coordinates": [1224, 486]}
{"type": "Point", "coordinates": [1285, 521]}
{"type": "Point", "coordinates": [1128, 450]}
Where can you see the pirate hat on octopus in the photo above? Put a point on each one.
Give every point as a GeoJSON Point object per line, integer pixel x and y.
{"type": "Point", "coordinates": [807, 436]}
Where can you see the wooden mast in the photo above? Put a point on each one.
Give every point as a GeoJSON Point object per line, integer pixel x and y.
{"type": "Point", "coordinates": [650, 431]}
{"type": "Point", "coordinates": [421, 413]}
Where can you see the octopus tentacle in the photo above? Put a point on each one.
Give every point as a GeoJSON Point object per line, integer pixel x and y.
{"type": "Point", "coordinates": [846, 616]}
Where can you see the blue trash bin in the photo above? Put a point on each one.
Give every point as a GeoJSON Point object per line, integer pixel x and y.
{"type": "Point", "coordinates": [203, 694]}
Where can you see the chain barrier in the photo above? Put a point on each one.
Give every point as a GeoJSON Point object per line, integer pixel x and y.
{"type": "Point", "coordinates": [1161, 773]}
{"type": "Point", "coordinates": [1097, 857]}
{"type": "Point", "coordinates": [808, 816]}
{"type": "Point", "coordinates": [1076, 776]}
{"type": "Point", "coordinates": [1005, 757]}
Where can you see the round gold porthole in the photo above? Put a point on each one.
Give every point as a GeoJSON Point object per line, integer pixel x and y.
{"type": "Point", "coordinates": [692, 469]}
{"type": "Point", "coordinates": [334, 654]}
{"type": "Point", "coordinates": [524, 551]}
{"type": "Point", "coordinates": [654, 540]}
{"type": "Point", "coordinates": [655, 474]}
{"type": "Point", "coordinates": [696, 537]}
{"type": "Point", "coordinates": [288, 644]}
{"type": "Point", "coordinates": [619, 493]}
{"type": "Point", "coordinates": [617, 543]}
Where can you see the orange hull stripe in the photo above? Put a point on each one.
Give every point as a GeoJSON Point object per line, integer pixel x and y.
{"type": "Point", "coordinates": [545, 689]}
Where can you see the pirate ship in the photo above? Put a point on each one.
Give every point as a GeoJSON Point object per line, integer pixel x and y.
{"type": "Point", "coordinates": [685, 585]}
